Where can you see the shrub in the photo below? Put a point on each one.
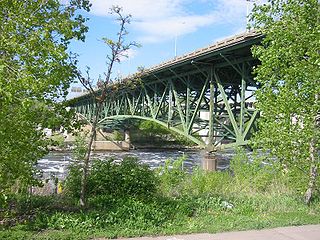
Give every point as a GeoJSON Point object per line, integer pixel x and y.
{"type": "Point", "coordinates": [254, 176]}
{"type": "Point", "coordinates": [57, 140]}
{"type": "Point", "coordinates": [117, 136]}
{"type": "Point", "coordinates": [202, 182]}
{"type": "Point", "coordinates": [160, 135]}
{"type": "Point", "coordinates": [128, 178]}
{"type": "Point", "coordinates": [172, 176]}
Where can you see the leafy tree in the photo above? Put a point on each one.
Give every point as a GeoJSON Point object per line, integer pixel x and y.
{"type": "Point", "coordinates": [35, 72]}
{"type": "Point", "coordinates": [289, 76]}
{"type": "Point", "coordinates": [118, 49]}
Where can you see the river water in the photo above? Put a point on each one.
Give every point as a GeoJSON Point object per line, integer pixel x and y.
{"type": "Point", "coordinates": [55, 164]}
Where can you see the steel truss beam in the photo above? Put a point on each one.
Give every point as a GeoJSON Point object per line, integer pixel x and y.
{"type": "Point", "coordinates": [208, 105]}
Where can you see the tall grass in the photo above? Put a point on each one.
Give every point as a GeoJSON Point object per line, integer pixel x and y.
{"type": "Point", "coordinates": [128, 199]}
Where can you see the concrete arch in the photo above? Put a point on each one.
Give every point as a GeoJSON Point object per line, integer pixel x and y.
{"type": "Point", "coordinates": [174, 129]}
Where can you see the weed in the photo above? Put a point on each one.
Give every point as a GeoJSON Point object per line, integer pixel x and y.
{"type": "Point", "coordinates": [128, 199]}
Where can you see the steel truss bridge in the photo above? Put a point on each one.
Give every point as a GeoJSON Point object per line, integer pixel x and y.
{"type": "Point", "coordinates": [206, 95]}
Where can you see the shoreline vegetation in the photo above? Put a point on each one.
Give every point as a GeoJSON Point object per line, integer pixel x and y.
{"type": "Point", "coordinates": [128, 199]}
{"type": "Point", "coordinates": [109, 199]}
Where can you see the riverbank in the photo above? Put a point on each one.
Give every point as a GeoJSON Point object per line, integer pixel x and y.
{"type": "Point", "coordinates": [130, 200]}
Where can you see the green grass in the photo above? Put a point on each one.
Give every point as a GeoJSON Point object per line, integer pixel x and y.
{"type": "Point", "coordinates": [188, 215]}
{"type": "Point", "coordinates": [175, 202]}
{"type": "Point", "coordinates": [133, 217]}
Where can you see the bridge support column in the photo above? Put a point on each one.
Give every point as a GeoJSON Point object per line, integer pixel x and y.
{"type": "Point", "coordinates": [210, 145]}
{"type": "Point", "coordinates": [209, 162]}
{"type": "Point", "coordinates": [127, 136]}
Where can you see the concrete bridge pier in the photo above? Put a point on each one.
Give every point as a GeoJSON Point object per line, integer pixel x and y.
{"type": "Point", "coordinates": [127, 136]}
{"type": "Point", "coordinates": [209, 161]}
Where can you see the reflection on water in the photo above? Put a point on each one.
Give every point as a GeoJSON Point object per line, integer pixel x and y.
{"type": "Point", "coordinates": [56, 163]}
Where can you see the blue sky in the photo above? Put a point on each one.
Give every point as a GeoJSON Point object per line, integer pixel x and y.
{"type": "Point", "coordinates": [155, 25]}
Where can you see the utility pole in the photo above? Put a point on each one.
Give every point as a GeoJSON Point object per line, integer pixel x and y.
{"type": "Point", "coordinates": [175, 42]}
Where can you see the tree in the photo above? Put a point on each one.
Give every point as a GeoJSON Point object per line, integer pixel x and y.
{"type": "Point", "coordinates": [35, 72]}
{"type": "Point", "coordinates": [289, 76]}
{"type": "Point", "coordinates": [118, 49]}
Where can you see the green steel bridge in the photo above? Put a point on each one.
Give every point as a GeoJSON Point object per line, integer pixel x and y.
{"type": "Point", "coordinates": [206, 95]}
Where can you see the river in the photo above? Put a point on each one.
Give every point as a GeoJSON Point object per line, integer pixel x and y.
{"type": "Point", "coordinates": [55, 164]}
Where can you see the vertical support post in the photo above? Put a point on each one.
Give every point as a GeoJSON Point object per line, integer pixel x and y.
{"type": "Point", "coordinates": [150, 105]}
{"type": "Point", "coordinates": [204, 88]}
{"type": "Point", "coordinates": [178, 104]}
{"type": "Point", "coordinates": [188, 104]}
{"type": "Point", "coordinates": [91, 111]}
{"type": "Point", "coordinates": [155, 97]}
{"type": "Point", "coordinates": [142, 107]}
{"type": "Point", "coordinates": [242, 100]}
{"type": "Point", "coordinates": [211, 111]}
{"type": "Point", "coordinates": [170, 105]}
{"type": "Point", "coordinates": [86, 111]}
{"type": "Point", "coordinates": [227, 105]}
{"type": "Point", "coordinates": [161, 102]}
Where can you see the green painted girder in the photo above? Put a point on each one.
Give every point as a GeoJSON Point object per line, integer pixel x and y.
{"type": "Point", "coordinates": [208, 100]}
{"type": "Point", "coordinates": [177, 130]}
{"type": "Point", "coordinates": [183, 109]}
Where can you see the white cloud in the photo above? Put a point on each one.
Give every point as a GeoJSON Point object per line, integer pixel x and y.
{"type": "Point", "coordinates": [163, 29]}
{"type": "Point", "coordinates": [140, 9]}
{"type": "Point", "coordinates": [161, 20]}
{"type": "Point", "coordinates": [128, 55]}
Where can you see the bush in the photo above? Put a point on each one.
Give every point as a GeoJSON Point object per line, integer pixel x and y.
{"type": "Point", "coordinates": [253, 176]}
{"type": "Point", "coordinates": [117, 136]}
{"type": "Point", "coordinates": [202, 182]}
{"type": "Point", "coordinates": [160, 135]}
{"type": "Point", "coordinates": [57, 140]}
{"type": "Point", "coordinates": [172, 176]}
{"type": "Point", "coordinates": [245, 176]}
{"type": "Point", "coordinates": [125, 213]}
{"type": "Point", "coordinates": [177, 202]}
{"type": "Point", "coordinates": [128, 178]}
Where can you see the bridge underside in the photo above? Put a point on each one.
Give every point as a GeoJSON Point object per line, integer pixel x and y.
{"type": "Point", "coordinates": [207, 97]}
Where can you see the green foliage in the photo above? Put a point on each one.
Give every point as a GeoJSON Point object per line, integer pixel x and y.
{"type": "Point", "coordinates": [202, 182]}
{"type": "Point", "coordinates": [117, 136]}
{"type": "Point", "coordinates": [182, 203]}
{"type": "Point", "coordinates": [35, 71]}
{"type": "Point", "coordinates": [150, 127]}
{"type": "Point", "coordinates": [159, 134]}
{"type": "Point", "coordinates": [128, 178]}
{"type": "Point", "coordinates": [57, 140]}
{"type": "Point", "coordinates": [171, 176]}
{"type": "Point", "coordinates": [289, 78]}
{"type": "Point", "coordinates": [254, 176]}
{"type": "Point", "coordinates": [80, 147]}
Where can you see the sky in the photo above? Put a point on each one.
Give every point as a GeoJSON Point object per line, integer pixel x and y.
{"type": "Point", "coordinates": [159, 26]}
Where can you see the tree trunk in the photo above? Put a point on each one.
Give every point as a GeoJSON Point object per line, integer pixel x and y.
{"type": "Point", "coordinates": [85, 170]}
{"type": "Point", "coordinates": [314, 157]}
{"type": "Point", "coordinates": [84, 177]}
{"type": "Point", "coordinates": [118, 48]}
{"type": "Point", "coordinates": [313, 173]}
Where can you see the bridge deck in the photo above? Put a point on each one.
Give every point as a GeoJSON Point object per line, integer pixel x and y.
{"type": "Point", "coordinates": [206, 93]}
{"type": "Point", "coordinates": [237, 46]}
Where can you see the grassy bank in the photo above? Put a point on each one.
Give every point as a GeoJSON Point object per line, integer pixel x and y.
{"type": "Point", "coordinates": [130, 200]}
